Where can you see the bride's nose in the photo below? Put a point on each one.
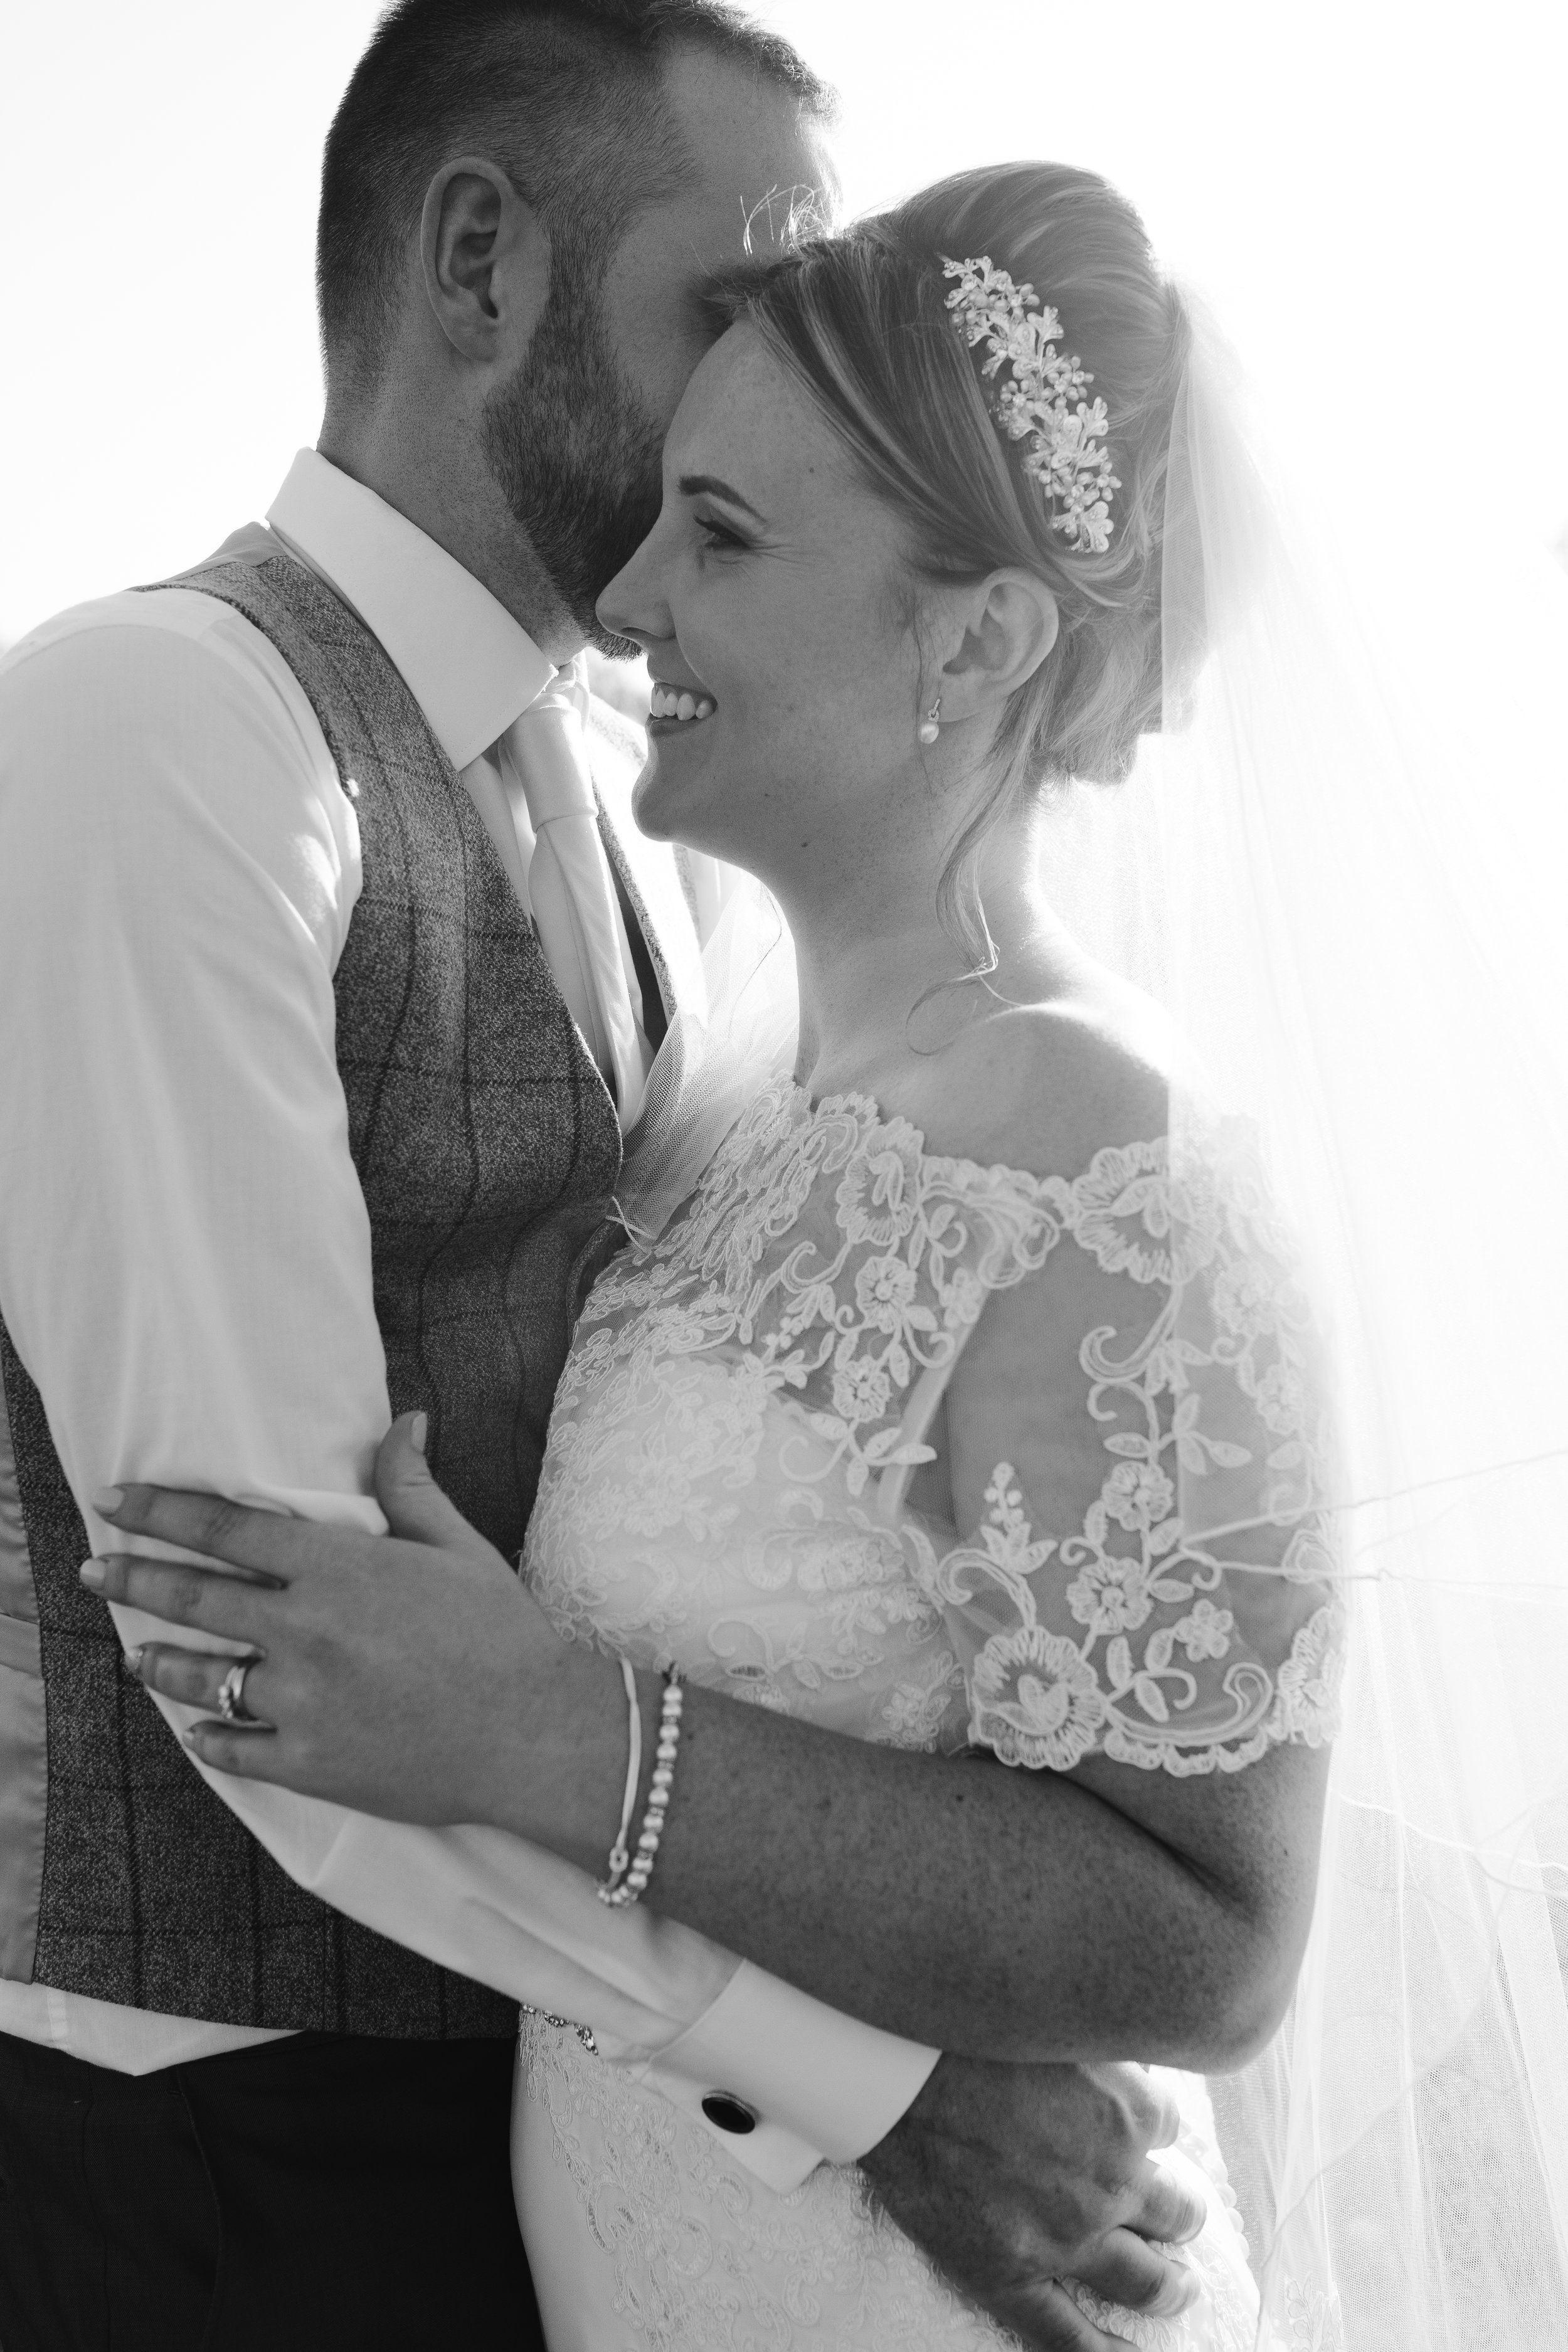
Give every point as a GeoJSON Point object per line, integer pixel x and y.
{"type": "Point", "coordinates": [634, 603]}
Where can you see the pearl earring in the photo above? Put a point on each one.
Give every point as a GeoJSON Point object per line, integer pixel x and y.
{"type": "Point", "coordinates": [928, 730]}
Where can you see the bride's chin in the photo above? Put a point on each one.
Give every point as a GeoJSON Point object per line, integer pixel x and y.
{"type": "Point", "coordinates": [650, 812]}
{"type": "Point", "coordinates": [664, 803]}
{"type": "Point", "coordinates": [690, 822]}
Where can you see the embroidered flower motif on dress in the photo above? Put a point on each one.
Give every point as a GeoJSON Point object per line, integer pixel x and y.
{"type": "Point", "coordinates": [1036, 1692]}
{"type": "Point", "coordinates": [1138, 1495]}
{"type": "Point", "coordinates": [1110, 1596]}
{"type": "Point", "coordinates": [1206, 1632]}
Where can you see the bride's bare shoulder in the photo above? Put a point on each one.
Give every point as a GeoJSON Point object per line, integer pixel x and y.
{"type": "Point", "coordinates": [1044, 1087]}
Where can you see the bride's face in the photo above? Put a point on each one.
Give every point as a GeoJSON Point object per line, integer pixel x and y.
{"type": "Point", "coordinates": [771, 595]}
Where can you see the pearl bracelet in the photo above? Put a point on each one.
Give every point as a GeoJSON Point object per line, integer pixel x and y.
{"type": "Point", "coordinates": [630, 1874]}
{"type": "Point", "coordinates": [619, 1857]}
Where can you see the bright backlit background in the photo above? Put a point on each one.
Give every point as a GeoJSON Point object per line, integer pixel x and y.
{"type": "Point", "coordinates": [1372, 192]}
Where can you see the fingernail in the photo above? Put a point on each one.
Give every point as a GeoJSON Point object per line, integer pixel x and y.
{"type": "Point", "coordinates": [106, 1500]}
{"type": "Point", "coordinates": [91, 1573]}
{"type": "Point", "coordinates": [134, 1659]}
{"type": "Point", "coordinates": [418, 1429]}
{"type": "Point", "coordinates": [1188, 2287]}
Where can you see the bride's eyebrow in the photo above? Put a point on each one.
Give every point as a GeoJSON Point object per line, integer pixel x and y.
{"type": "Point", "coordinates": [690, 485]}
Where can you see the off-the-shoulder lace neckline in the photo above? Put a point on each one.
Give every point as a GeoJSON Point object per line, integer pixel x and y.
{"type": "Point", "coordinates": [869, 1111]}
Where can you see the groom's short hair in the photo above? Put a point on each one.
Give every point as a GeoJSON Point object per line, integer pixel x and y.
{"type": "Point", "coordinates": [566, 94]}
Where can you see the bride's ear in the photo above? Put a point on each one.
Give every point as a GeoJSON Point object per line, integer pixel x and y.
{"type": "Point", "coordinates": [1010, 621]}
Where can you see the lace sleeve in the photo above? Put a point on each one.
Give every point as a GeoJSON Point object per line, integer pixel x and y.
{"type": "Point", "coordinates": [1176, 1608]}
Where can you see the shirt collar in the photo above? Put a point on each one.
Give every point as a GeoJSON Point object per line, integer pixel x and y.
{"type": "Point", "coordinates": [467, 663]}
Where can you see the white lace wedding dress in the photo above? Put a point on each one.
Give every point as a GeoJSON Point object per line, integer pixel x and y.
{"type": "Point", "coordinates": [726, 1490]}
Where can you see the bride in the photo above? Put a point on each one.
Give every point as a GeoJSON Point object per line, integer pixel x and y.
{"type": "Point", "coordinates": [958, 1392]}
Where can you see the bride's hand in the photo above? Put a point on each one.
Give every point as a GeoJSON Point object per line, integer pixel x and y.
{"type": "Point", "coordinates": [410, 1675]}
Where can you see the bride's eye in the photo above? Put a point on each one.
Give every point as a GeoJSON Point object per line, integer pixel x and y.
{"type": "Point", "coordinates": [716, 534]}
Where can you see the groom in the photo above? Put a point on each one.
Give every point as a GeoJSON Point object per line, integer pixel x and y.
{"type": "Point", "coordinates": [326, 984]}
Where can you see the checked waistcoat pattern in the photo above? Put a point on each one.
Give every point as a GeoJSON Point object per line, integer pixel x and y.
{"type": "Point", "coordinates": [487, 1147]}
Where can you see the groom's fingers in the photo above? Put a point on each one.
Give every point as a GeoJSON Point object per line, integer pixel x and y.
{"type": "Point", "coordinates": [1167, 2209]}
{"type": "Point", "coordinates": [1124, 2270]}
{"type": "Point", "coordinates": [1154, 2108]}
{"type": "Point", "coordinates": [1048, 2320]}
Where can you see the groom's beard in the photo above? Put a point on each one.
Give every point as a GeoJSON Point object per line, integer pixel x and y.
{"type": "Point", "coordinates": [576, 459]}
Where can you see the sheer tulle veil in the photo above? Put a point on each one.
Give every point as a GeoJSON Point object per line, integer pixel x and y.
{"type": "Point", "coordinates": [1296, 867]}
{"type": "Point", "coordinates": [1290, 870]}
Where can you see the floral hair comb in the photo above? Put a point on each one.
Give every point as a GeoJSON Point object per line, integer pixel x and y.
{"type": "Point", "coordinates": [1037, 402]}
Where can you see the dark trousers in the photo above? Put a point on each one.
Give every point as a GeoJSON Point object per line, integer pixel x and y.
{"type": "Point", "coordinates": [310, 2195]}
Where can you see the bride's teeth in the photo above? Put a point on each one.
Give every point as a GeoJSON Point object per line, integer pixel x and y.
{"type": "Point", "coordinates": [669, 703]}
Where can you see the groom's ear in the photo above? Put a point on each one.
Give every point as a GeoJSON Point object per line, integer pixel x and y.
{"type": "Point", "coordinates": [485, 256]}
{"type": "Point", "coordinates": [1009, 623]}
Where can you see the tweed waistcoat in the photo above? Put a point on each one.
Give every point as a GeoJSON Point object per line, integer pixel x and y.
{"type": "Point", "coordinates": [486, 1146]}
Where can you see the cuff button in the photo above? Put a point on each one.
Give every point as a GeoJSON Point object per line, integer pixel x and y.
{"type": "Point", "coordinates": [728, 2114]}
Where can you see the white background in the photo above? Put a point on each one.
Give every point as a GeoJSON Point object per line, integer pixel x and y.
{"type": "Point", "coordinates": [1372, 194]}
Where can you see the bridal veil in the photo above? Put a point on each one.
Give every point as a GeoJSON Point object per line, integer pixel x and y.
{"type": "Point", "coordinates": [1299, 870]}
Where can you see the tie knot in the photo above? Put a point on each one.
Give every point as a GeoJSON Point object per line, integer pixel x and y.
{"type": "Point", "coordinates": [552, 760]}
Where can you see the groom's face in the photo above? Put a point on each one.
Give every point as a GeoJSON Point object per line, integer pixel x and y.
{"type": "Point", "coordinates": [574, 437]}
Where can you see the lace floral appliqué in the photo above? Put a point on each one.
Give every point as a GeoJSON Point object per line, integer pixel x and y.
{"type": "Point", "coordinates": [1176, 1628]}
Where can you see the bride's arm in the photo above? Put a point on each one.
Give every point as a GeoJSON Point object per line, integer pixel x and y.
{"type": "Point", "coordinates": [1107, 1914]}
{"type": "Point", "coordinates": [1001, 1918]}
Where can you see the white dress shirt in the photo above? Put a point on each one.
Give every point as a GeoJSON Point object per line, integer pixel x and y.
{"type": "Point", "coordinates": [184, 1250]}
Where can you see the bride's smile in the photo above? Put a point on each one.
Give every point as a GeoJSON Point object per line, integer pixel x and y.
{"type": "Point", "coordinates": [681, 704]}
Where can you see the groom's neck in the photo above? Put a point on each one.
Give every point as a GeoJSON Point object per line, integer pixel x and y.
{"type": "Point", "coordinates": [432, 471]}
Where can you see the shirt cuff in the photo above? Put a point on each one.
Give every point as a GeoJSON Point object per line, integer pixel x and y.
{"type": "Point", "coordinates": [784, 2081]}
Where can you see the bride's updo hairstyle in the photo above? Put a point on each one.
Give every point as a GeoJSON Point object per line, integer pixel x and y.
{"type": "Point", "coordinates": [862, 318]}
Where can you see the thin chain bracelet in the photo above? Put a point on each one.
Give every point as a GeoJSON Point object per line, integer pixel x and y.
{"type": "Point", "coordinates": [620, 1859]}
{"type": "Point", "coordinates": [567, 2025]}
{"type": "Point", "coordinates": [620, 1891]}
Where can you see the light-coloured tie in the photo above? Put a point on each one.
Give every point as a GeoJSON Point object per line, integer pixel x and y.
{"type": "Point", "coordinates": [569, 884]}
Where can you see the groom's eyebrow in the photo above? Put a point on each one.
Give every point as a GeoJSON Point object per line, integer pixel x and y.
{"type": "Point", "coordinates": [691, 484]}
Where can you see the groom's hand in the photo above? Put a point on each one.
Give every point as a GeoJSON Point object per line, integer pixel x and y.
{"type": "Point", "coordinates": [1012, 2177]}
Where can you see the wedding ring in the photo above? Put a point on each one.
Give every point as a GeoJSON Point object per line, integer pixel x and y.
{"type": "Point", "coordinates": [231, 1693]}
